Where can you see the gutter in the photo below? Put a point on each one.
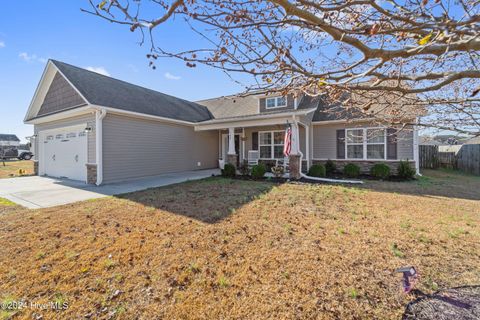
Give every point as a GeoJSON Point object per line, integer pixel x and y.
{"type": "Point", "coordinates": [255, 117]}
{"type": "Point", "coordinates": [99, 116]}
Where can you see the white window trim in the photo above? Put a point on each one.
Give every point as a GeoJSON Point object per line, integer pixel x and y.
{"type": "Point", "coordinates": [365, 143]}
{"type": "Point", "coordinates": [276, 102]}
{"type": "Point", "coordinates": [272, 145]}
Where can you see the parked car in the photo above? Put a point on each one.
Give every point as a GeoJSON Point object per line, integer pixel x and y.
{"type": "Point", "coordinates": [24, 155]}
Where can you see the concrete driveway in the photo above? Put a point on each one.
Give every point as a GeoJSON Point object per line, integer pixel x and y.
{"type": "Point", "coordinates": [43, 192]}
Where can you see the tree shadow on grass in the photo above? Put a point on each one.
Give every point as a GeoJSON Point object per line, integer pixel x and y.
{"type": "Point", "coordinates": [461, 303]}
{"type": "Point", "coordinates": [209, 200]}
{"type": "Point", "coordinates": [433, 183]}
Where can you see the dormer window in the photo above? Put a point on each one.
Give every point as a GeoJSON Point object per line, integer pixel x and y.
{"type": "Point", "coordinates": [276, 102]}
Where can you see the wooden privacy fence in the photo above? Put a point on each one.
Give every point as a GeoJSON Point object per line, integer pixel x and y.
{"type": "Point", "coordinates": [464, 157]}
{"type": "Point", "coordinates": [468, 158]}
{"type": "Point", "coordinates": [428, 156]}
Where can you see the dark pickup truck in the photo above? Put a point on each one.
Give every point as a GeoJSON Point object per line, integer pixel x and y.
{"type": "Point", "coordinates": [12, 152]}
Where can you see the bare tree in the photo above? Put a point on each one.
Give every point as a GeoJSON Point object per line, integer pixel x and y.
{"type": "Point", "coordinates": [421, 54]}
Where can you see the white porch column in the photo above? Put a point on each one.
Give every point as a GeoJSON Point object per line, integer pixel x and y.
{"type": "Point", "coordinates": [231, 141]}
{"type": "Point", "coordinates": [243, 145]}
{"type": "Point", "coordinates": [295, 155]}
{"type": "Point", "coordinates": [307, 145]}
{"type": "Point", "coordinates": [295, 139]}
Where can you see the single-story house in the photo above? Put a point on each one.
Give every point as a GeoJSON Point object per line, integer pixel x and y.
{"type": "Point", "coordinates": [9, 144]}
{"type": "Point", "coordinates": [98, 129]}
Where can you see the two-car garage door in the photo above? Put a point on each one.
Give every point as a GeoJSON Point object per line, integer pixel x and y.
{"type": "Point", "coordinates": [63, 153]}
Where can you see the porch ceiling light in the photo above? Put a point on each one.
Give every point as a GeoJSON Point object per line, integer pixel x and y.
{"type": "Point", "coordinates": [88, 129]}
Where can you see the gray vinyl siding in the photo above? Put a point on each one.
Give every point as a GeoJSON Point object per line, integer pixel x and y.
{"type": "Point", "coordinates": [325, 141]}
{"type": "Point", "coordinates": [60, 96]}
{"type": "Point", "coordinates": [134, 147]}
{"type": "Point", "coordinates": [89, 119]}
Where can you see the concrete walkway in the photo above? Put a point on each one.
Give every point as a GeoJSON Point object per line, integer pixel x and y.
{"type": "Point", "coordinates": [43, 192]}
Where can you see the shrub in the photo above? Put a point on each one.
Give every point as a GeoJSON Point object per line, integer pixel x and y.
{"type": "Point", "coordinates": [317, 170]}
{"type": "Point", "coordinates": [380, 171]}
{"type": "Point", "coordinates": [228, 170]}
{"type": "Point", "coordinates": [277, 171]}
{"type": "Point", "coordinates": [330, 167]}
{"type": "Point", "coordinates": [405, 170]}
{"type": "Point", "coordinates": [244, 169]}
{"type": "Point", "coordinates": [258, 171]}
{"type": "Point", "coordinates": [351, 170]}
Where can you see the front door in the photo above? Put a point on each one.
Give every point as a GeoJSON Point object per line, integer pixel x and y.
{"type": "Point", "coordinates": [225, 147]}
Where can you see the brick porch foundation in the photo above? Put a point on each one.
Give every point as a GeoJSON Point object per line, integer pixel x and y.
{"type": "Point", "coordinates": [294, 166]}
{"type": "Point", "coordinates": [232, 159]}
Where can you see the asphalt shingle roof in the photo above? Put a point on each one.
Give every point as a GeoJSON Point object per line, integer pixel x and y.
{"type": "Point", "coordinates": [231, 106]}
{"type": "Point", "coordinates": [109, 92]}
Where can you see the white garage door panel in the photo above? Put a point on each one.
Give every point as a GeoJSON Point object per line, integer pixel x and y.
{"type": "Point", "coordinates": [64, 153]}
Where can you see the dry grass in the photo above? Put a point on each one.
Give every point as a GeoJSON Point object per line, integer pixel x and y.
{"type": "Point", "coordinates": [246, 250]}
{"type": "Point", "coordinates": [12, 168]}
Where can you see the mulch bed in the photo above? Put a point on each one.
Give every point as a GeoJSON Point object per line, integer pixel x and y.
{"type": "Point", "coordinates": [462, 303]}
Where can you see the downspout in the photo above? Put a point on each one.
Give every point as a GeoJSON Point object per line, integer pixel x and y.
{"type": "Point", "coordinates": [99, 115]}
{"type": "Point", "coordinates": [416, 157]}
{"type": "Point", "coordinates": [297, 142]}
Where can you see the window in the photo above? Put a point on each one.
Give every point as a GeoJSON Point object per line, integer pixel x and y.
{"type": "Point", "coordinates": [82, 134]}
{"type": "Point", "coordinates": [354, 143]}
{"type": "Point", "coordinates": [276, 102]}
{"type": "Point", "coordinates": [59, 136]}
{"type": "Point", "coordinates": [49, 137]}
{"type": "Point", "coordinates": [368, 143]}
{"type": "Point", "coordinates": [270, 144]}
{"type": "Point", "coordinates": [71, 135]}
{"type": "Point", "coordinates": [375, 143]}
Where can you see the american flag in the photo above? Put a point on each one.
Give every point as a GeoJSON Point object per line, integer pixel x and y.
{"type": "Point", "coordinates": [287, 144]}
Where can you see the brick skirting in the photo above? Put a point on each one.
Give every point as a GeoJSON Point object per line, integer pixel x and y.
{"type": "Point", "coordinates": [91, 173]}
{"type": "Point", "coordinates": [365, 165]}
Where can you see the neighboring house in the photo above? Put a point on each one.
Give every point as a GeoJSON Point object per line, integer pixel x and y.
{"type": "Point", "coordinates": [442, 140]}
{"type": "Point", "coordinates": [98, 129]}
{"type": "Point", "coordinates": [475, 140]}
{"type": "Point", "coordinates": [8, 146]}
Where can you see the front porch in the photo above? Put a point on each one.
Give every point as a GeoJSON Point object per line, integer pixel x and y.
{"type": "Point", "coordinates": [254, 141]}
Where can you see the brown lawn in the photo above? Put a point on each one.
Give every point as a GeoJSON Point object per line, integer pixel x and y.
{"type": "Point", "coordinates": [221, 248]}
{"type": "Point", "coordinates": [12, 168]}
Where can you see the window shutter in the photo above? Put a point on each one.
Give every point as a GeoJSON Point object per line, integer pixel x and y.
{"type": "Point", "coordinates": [262, 103]}
{"type": "Point", "coordinates": [391, 144]}
{"type": "Point", "coordinates": [341, 144]}
{"type": "Point", "coordinates": [254, 140]}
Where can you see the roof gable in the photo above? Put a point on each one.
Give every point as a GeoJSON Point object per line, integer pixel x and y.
{"type": "Point", "coordinates": [60, 96]}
